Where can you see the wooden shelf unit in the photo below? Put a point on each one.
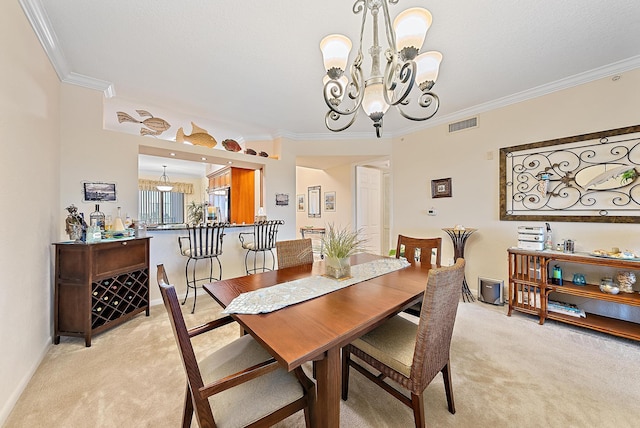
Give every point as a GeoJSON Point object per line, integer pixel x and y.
{"type": "Point", "coordinates": [529, 289]}
{"type": "Point", "coordinates": [99, 286]}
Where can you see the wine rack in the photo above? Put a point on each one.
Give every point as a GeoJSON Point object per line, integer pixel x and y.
{"type": "Point", "coordinates": [99, 285]}
{"type": "Point", "coordinates": [115, 297]}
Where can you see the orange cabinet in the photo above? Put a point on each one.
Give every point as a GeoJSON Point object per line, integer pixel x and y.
{"type": "Point", "coordinates": [241, 183]}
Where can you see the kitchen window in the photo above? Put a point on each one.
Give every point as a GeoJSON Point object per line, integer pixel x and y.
{"type": "Point", "coordinates": [161, 207]}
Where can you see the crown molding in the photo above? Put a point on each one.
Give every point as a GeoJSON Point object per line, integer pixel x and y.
{"type": "Point", "coordinates": [41, 25]}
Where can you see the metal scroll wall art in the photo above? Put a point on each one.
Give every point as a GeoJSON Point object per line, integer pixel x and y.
{"type": "Point", "coordinates": [585, 178]}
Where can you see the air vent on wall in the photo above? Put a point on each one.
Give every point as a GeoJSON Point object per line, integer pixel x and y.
{"type": "Point", "coordinates": [463, 124]}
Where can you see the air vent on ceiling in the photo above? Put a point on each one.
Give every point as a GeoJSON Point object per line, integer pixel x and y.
{"type": "Point", "coordinates": [463, 124]}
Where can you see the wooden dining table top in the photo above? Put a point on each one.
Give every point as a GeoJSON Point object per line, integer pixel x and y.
{"type": "Point", "coordinates": [316, 329]}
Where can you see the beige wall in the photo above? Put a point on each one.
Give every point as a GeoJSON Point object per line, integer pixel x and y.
{"type": "Point", "coordinates": [29, 173]}
{"type": "Point", "coordinates": [470, 158]}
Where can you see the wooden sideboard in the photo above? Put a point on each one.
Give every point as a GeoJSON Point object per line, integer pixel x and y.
{"type": "Point", "coordinates": [98, 286]}
{"type": "Point", "coordinates": [530, 287]}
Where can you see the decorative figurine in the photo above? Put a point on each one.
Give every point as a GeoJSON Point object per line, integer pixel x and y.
{"type": "Point", "coordinates": [74, 224]}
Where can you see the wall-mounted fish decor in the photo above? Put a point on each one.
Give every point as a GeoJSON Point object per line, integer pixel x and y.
{"type": "Point", "coordinates": [198, 137]}
{"type": "Point", "coordinates": [231, 145]}
{"type": "Point", "coordinates": [250, 152]}
{"type": "Point", "coordinates": [150, 126]}
{"type": "Point", "coordinates": [264, 154]}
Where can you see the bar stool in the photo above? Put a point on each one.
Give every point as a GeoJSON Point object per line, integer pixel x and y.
{"type": "Point", "coordinates": [203, 243]}
{"type": "Point", "coordinates": [264, 236]}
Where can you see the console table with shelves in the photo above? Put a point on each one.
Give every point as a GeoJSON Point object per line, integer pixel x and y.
{"type": "Point", "coordinates": [530, 287]}
{"type": "Point", "coordinates": [99, 286]}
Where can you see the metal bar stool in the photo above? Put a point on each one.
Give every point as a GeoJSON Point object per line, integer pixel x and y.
{"type": "Point", "coordinates": [203, 243]}
{"type": "Point", "coordinates": [264, 236]}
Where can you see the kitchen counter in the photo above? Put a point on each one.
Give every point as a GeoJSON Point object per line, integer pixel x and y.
{"type": "Point", "coordinates": [164, 250]}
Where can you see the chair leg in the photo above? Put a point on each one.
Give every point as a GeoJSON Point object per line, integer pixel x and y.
{"type": "Point", "coordinates": [187, 414]}
{"type": "Point", "coordinates": [210, 269]}
{"type": "Point", "coordinates": [246, 260]}
{"type": "Point", "coordinates": [448, 388]}
{"type": "Point", "coordinates": [273, 260]}
{"type": "Point", "coordinates": [346, 356]}
{"type": "Point", "coordinates": [186, 275]}
{"type": "Point", "coordinates": [219, 268]}
{"type": "Point", "coordinates": [417, 404]}
{"type": "Point", "coordinates": [195, 287]}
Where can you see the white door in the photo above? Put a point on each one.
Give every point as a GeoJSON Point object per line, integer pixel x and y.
{"type": "Point", "coordinates": [369, 206]}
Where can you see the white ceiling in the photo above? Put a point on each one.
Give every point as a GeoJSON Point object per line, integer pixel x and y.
{"type": "Point", "coordinates": [252, 69]}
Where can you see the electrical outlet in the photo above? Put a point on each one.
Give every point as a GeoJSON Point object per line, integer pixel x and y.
{"type": "Point", "coordinates": [432, 211]}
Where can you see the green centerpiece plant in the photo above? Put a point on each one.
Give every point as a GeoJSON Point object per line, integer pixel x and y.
{"type": "Point", "coordinates": [338, 246]}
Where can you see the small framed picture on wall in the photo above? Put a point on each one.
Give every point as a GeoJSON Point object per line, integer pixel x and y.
{"type": "Point", "coordinates": [441, 188]}
{"type": "Point", "coordinates": [300, 202]}
{"type": "Point", "coordinates": [329, 201]}
{"type": "Point", "coordinates": [282, 199]}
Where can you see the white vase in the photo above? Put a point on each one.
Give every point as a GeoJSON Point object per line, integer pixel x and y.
{"type": "Point", "coordinates": [338, 268]}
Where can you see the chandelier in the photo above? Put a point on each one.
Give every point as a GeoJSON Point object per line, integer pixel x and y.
{"type": "Point", "coordinates": [405, 68]}
{"type": "Point", "coordinates": [164, 185]}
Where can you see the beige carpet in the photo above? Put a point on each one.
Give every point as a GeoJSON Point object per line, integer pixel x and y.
{"type": "Point", "coordinates": [506, 372]}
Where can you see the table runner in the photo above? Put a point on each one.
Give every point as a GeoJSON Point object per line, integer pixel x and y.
{"type": "Point", "coordinates": [271, 299]}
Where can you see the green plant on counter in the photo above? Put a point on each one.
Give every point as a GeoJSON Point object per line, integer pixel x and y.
{"type": "Point", "coordinates": [341, 243]}
{"type": "Point", "coordinates": [195, 213]}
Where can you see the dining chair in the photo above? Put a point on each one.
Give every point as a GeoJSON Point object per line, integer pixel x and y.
{"type": "Point", "coordinates": [238, 385]}
{"type": "Point", "coordinates": [412, 354]}
{"type": "Point", "coordinates": [204, 242]}
{"type": "Point", "coordinates": [263, 240]}
{"type": "Point", "coordinates": [422, 251]}
{"type": "Point", "coordinates": [295, 252]}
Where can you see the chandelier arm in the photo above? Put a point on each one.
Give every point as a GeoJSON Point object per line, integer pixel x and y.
{"type": "Point", "coordinates": [358, 7]}
{"type": "Point", "coordinates": [391, 36]}
{"type": "Point", "coordinates": [406, 75]}
{"type": "Point", "coordinates": [426, 99]}
{"type": "Point", "coordinates": [332, 115]}
{"type": "Point", "coordinates": [356, 92]}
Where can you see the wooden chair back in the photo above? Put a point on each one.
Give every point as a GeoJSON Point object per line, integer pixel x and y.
{"type": "Point", "coordinates": [197, 393]}
{"type": "Point", "coordinates": [295, 252]}
{"type": "Point", "coordinates": [419, 250]}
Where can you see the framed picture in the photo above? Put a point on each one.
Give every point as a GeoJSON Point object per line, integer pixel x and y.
{"type": "Point", "coordinates": [329, 201]}
{"type": "Point", "coordinates": [99, 192]}
{"type": "Point", "coordinates": [282, 199]}
{"type": "Point", "coordinates": [441, 188]}
{"type": "Point", "coordinates": [300, 202]}
{"type": "Point", "coordinates": [314, 201]}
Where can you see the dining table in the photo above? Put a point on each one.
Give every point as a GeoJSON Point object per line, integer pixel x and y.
{"type": "Point", "coordinates": [316, 329]}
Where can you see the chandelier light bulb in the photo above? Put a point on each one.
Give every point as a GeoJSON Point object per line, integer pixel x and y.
{"type": "Point", "coordinates": [335, 54]}
{"type": "Point", "coordinates": [411, 28]}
